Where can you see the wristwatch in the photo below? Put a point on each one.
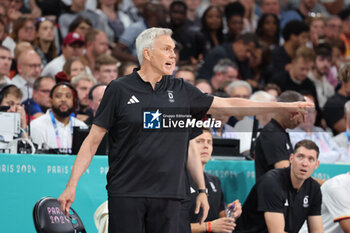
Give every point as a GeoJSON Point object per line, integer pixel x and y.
{"type": "Point", "coordinates": [203, 191]}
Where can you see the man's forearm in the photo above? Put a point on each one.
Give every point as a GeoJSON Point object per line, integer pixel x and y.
{"type": "Point", "coordinates": [194, 166]}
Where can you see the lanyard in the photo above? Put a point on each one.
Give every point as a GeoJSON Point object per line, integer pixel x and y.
{"type": "Point", "coordinates": [58, 139]}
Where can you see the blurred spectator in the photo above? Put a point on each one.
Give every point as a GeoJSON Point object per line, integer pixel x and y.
{"type": "Point", "coordinates": [316, 24]}
{"type": "Point", "coordinates": [5, 64]}
{"type": "Point", "coordinates": [45, 40]}
{"type": "Point", "coordinates": [18, 8]}
{"type": "Point", "coordinates": [127, 68]}
{"type": "Point", "coordinates": [29, 69]}
{"type": "Point", "coordinates": [54, 129]}
{"type": "Point", "coordinates": [345, 36]}
{"type": "Point", "coordinates": [273, 89]}
{"type": "Point", "coordinates": [72, 67]}
{"type": "Point", "coordinates": [193, 47]}
{"type": "Point", "coordinates": [295, 34]}
{"type": "Point", "coordinates": [3, 29]}
{"type": "Point", "coordinates": [72, 47]}
{"type": "Point", "coordinates": [20, 47]}
{"type": "Point", "coordinates": [112, 20]}
{"type": "Point", "coordinates": [106, 69]}
{"type": "Point", "coordinates": [133, 9]}
{"type": "Point", "coordinates": [333, 28]}
{"type": "Point", "coordinates": [186, 73]}
{"type": "Point", "coordinates": [225, 70]}
{"type": "Point", "coordinates": [204, 86]}
{"type": "Point", "coordinates": [83, 83]}
{"type": "Point", "coordinates": [260, 64]}
{"type": "Point", "coordinates": [319, 72]}
{"type": "Point", "coordinates": [343, 139]}
{"type": "Point", "coordinates": [338, 49]}
{"type": "Point", "coordinates": [77, 8]}
{"type": "Point", "coordinates": [268, 31]}
{"type": "Point", "coordinates": [40, 102]}
{"type": "Point", "coordinates": [10, 96]}
{"type": "Point", "coordinates": [193, 15]}
{"type": "Point", "coordinates": [153, 16]}
{"type": "Point", "coordinates": [250, 17]}
{"type": "Point", "coordinates": [95, 96]}
{"type": "Point", "coordinates": [273, 146]}
{"type": "Point", "coordinates": [234, 14]}
{"type": "Point", "coordinates": [96, 42]}
{"type": "Point", "coordinates": [212, 27]}
{"type": "Point", "coordinates": [239, 89]}
{"type": "Point", "coordinates": [333, 110]}
{"type": "Point", "coordinates": [80, 25]}
{"type": "Point", "coordinates": [238, 51]}
{"type": "Point", "coordinates": [23, 30]}
{"type": "Point", "coordinates": [329, 150]}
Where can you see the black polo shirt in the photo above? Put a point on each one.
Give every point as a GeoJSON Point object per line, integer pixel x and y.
{"type": "Point", "coordinates": [215, 198]}
{"type": "Point", "coordinates": [147, 162]}
{"type": "Point", "coordinates": [272, 145]}
{"type": "Point", "coordinates": [274, 193]}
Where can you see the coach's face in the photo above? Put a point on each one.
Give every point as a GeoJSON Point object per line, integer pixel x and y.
{"type": "Point", "coordinates": [162, 56]}
{"type": "Point", "coordinates": [303, 163]}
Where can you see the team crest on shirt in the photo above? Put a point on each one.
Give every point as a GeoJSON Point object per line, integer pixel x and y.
{"type": "Point", "coordinates": [306, 201]}
{"type": "Point", "coordinates": [171, 96]}
{"type": "Point", "coordinates": [213, 187]}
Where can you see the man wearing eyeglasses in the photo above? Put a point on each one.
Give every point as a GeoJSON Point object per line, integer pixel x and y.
{"type": "Point", "coordinates": [29, 69]}
{"type": "Point", "coordinates": [40, 102]}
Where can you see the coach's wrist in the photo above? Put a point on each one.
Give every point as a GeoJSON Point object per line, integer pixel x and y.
{"type": "Point", "coordinates": [204, 191]}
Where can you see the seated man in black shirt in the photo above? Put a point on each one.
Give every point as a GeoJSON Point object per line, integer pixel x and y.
{"type": "Point", "coordinates": [216, 221]}
{"type": "Point", "coordinates": [284, 198]}
{"type": "Point", "coordinates": [273, 146]}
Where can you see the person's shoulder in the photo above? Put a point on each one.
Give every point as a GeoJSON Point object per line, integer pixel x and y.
{"type": "Point", "coordinates": [77, 122]}
{"type": "Point", "coordinates": [39, 121]}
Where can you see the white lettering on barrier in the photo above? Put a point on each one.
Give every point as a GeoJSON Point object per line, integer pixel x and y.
{"type": "Point", "coordinates": [17, 168]}
{"type": "Point", "coordinates": [58, 169]}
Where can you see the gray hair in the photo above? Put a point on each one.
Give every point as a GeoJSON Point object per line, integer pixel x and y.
{"type": "Point", "coordinates": [262, 96]}
{"type": "Point", "coordinates": [239, 83]}
{"type": "Point", "coordinates": [146, 39]}
{"type": "Point", "coordinates": [347, 106]}
{"type": "Point", "coordinates": [83, 76]}
{"type": "Point", "coordinates": [223, 64]}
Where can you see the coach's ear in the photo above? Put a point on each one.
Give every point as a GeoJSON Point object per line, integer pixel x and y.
{"type": "Point", "coordinates": [147, 53]}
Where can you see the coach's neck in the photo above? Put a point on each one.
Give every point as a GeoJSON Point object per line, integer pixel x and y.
{"type": "Point", "coordinates": [148, 74]}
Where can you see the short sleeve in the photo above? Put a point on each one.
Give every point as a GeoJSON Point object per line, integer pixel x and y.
{"type": "Point", "coordinates": [315, 208]}
{"type": "Point", "coordinates": [270, 198]}
{"type": "Point", "coordinates": [107, 111]}
{"type": "Point", "coordinates": [274, 148]}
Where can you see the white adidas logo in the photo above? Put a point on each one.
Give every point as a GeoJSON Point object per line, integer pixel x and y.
{"type": "Point", "coordinates": [133, 100]}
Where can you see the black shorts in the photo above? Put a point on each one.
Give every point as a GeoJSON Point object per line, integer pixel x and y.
{"type": "Point", "coordinates": [143, 215]}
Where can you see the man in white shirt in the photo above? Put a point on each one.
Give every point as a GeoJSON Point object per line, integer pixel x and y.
{"type": "Point", "coordinates": [72, 47]}
{"type": "Point", "coordinates": [54, 130]}
{"type": "Point", "coordinates": [29, 69]}
{"type": "Point", "coordinates": [5, 64]}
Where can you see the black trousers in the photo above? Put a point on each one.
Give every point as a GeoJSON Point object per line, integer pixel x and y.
{"type": "Point", "coordinates": [143, 215]}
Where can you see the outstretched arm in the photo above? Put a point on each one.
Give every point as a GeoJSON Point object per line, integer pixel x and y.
{"type": "Point", "coordinates": [244, 107]}
{"type": "Point", "coordinates": [82, 162]}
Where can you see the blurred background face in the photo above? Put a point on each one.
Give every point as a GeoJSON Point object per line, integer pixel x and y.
{"type": "Point", "coordinates": [5, 62]}
{"type": "Point", "coordinates": [186, 75]}
{"type": "Point", "coordinates": [270, 26]}
{"type": "Point", "coordinates": [46, 31]}
{"type": "Point", "coordinates": [12, 101]}
{"type": "Point", "coordinates": [107, 74]}
{"type": "Point", "coordinates": [300, 69]}
{"type": "Point", "coordinates": [42, 95]}
{"type": "Point", "coordinates": [27, 32]}
{"type": "Point", "coordinates": [323, 65]}
{"type": "Point", "coordinates": [243, 51]}
{"type": "Point", "coordinates": [31, 66]}
{"type": "Point", "coordinates": [271, 6]}
{"type": "Point", "coordinates": [240, 92]}
{"type": "Point", "coordinates": [75, 50]}
{"type": "Point", "coordinates": [82, 29]}
{"type": "Point", "coordinates": [317, 27]}
{"type": "Point", "coordinates": [177, 15]}
{"type": "Point", "coordinates": [97, 95]}
{"type": "Point", "coordinates": [235, 24]}
{"type": "Point", "coordinates": [100, 45]}
{"type": "Point", "coordinates": [204, 144]}
{"type": "Point", "coordinates": [83, 89]}
{"type": "Point", "coordinates": [76, 68]}
{"type": "Point", "coordinates": [333, 28]}
{"type": "Point", "coordinates": [213, 19]}
{"type": "Point", "coordinates": [309, 4]}
{"type": "Point", "coordinates": [204, 87]}
{"type": "Point", "coordinates": [346, 26]}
